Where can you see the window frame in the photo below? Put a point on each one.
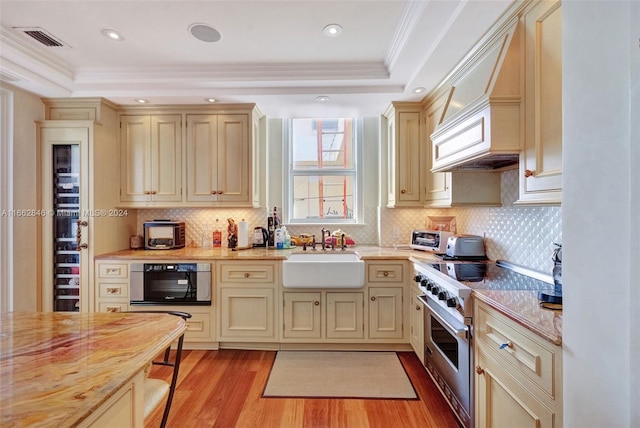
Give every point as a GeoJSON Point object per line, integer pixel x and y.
{"type": "Point", "coordinates": [355, 172]}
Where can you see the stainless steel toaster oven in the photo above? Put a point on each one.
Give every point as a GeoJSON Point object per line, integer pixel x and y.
{"type": "Point", "coordinates": [434, 241]}
{"type": "Point", "coordinates": [164, 235]}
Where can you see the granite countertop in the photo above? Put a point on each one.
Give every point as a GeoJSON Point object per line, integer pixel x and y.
{"type": "Point", "coordinates": [523, 307]}
{"type": "Point", "coordinates": [223, 253]}
{"type": "Point", "coordinates": [56, 368]}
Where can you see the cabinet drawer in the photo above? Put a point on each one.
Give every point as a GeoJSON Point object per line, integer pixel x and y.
{"type": "Point", "coordinates": [198, 327]}
{"type": "Point", "coordinates": [385, 272]}
{"type": "Point", "coordinates": [245, 273]}
{"type": "Point", "coordinates": [113, 270]}
{"type": "Point", "coordinates": [113, 306]}
{"type": "Point", "coordinates": [113, 290]}
{"type": "Point", "coordinates": [522, 350]}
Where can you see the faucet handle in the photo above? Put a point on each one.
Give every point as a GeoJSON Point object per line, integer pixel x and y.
{"type": "Point", "coordinates": [343, 242]}
{"type": "Point", "coordinates": [313, 243]}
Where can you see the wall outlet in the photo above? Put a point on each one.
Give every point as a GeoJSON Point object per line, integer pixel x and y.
{"type": "Point", "coordinates": [395, 233]}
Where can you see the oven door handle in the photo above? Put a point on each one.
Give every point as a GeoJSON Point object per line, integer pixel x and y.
{"type": "Point", "coordinates": [458, 332]}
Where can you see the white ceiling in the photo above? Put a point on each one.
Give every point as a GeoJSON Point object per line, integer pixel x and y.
{"type": "Point", "coordinates": [273, 53]}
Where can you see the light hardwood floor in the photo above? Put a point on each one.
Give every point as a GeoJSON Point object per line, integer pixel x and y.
{"type": "Point", "coordinates": [224, 389]}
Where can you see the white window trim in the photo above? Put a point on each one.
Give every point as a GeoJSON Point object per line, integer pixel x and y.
{"type": "Point", "coordinates": [6, 200]}
{"type": "Point", "coordinates": [287, 155]}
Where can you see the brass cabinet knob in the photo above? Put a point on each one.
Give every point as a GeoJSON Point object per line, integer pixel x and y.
{"type": "Point", "coordinates": [479, 370]}
{"type": "Point", "coordinates": [220, 192]}
{"type": "Point", "coordinates": [113, 290]}
{"type": "Point", "coordinates": [146, 192]}
{"type": "Point", "coordinates": [403, 191]}
{"type": "Point", "coordinates": [373, 298]}
{"type": "Point", "coordinates": [316, 303]}
{"type": "Point", "coordinates": [246, 274]}
{"type": "Point", "coordinates": [385, 273]}
{"type": "Point", "coordinates": [213, 192]}
{"type": "Point", "coordinates": [529, 173]}
{"type": "Point", "coordinates": [417, 307]}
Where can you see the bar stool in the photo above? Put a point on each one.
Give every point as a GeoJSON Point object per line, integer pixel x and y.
{"type": "Point", "coordinates": [156, 389]}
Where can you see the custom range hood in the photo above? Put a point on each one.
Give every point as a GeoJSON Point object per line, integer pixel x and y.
{"type": "Point", "coordinates": [479, 128]}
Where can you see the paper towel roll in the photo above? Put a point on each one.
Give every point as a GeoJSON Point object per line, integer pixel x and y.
{"type": "Point", "coordinates": [243, 234]}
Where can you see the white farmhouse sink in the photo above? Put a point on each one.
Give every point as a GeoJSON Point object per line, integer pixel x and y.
{"type": "Point", "coordinates": [323, 270]}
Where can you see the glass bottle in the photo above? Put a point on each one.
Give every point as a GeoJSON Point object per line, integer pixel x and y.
{"type": "Point", "coordinates": [207, 241]}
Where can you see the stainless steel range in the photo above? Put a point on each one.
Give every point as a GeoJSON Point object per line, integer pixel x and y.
{"type": "Point", "coordinates": [448, 320]}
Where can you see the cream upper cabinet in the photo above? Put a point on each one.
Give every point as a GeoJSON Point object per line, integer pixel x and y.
{"type": "Point", "coordinates": [151, 160]}
{"type": "Point", "coordinates": [405, 154]}
{"type": "Point", "coordinates": [219, 159]}
{"type": "Point", "coordinates": [541, 160]}
{"type": "Point", "coordinates": [438, 184]}
{"type": "Point", "coordinates": [518, 375]}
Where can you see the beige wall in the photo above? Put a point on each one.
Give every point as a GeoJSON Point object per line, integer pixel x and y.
{"type": "Point", "coordinates": [26, 195]}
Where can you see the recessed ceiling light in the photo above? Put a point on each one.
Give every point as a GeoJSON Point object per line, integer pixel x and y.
{"type": "Point", "coordinates": [419, 90]}
{"type": "Point", "coordinates": [322, 98]}
{"type": "Point", "coordinates": [332, 30]}
{"type": "Point", "coordinates": [210, 100]}
{"type": "Point", "coordinates": [112, 34]}
{"type": "Point", "coordinates": [141, 101]}
{"type": "Point", "coordinates": [205, 33]}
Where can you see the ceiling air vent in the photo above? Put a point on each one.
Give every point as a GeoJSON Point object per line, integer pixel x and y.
{"type": "Point", "coordinates": [42, 36]}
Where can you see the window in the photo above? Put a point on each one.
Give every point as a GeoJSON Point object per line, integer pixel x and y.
{"type": "Point", "coordinates": [323, 179]}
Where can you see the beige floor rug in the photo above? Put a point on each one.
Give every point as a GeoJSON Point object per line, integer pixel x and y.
{"type": "Point", "coordinates": [338, 374]}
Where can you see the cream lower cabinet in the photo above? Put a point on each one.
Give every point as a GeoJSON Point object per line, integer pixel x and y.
{"type": "Point", "coordinates": [311, 316]}
{"type": "Point", "coordinates": [541, 158]}
{"type": "Point", "coordinates": [247, 301]}
{"type": "Point", "coordinates": [112, 286]}
{"type": "Point", "coordinates": [112, 279]}
{"type": "Point", "coordinates": [416, 322]}
{"type": "Point", "coordinates": [518, 375]}
{"type": "Point", "coordinates": [124, 409]}
{"type": "Point", "coordinates": [386, 282]}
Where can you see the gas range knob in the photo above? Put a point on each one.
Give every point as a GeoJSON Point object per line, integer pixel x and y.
{"type": "Point", "coordinates": [430, 285]}
{"type": "Point", "coordinates": [435, 289]}
{"type": "Point", "coordinates": [452, 302]}
{"type": "Point", "coordinates": [424, 282]}
{"type": "Point", "coordinates": [418, 278]}
{"type": "Point", "coordinates": [442, 295]}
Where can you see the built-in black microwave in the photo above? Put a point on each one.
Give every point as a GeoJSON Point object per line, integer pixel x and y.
{"type": "Point", "coordinates": [170, 284]}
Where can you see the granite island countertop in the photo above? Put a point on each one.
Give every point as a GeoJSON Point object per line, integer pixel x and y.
{"type": "Point", "coordinates": [57, 368]}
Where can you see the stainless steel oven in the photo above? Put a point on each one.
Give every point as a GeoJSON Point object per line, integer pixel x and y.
{"type": "Point", "coordinates": [170, 284]}
{"type": "Point", "coordinates": [448, 320]}
{"type": "Point", "coordinates": [448, 356]}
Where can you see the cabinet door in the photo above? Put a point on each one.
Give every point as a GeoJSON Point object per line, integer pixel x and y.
{"type": "Point", "coordinates": [385, 313]}
{"type": "Point", "coordinates": [501, 401]}
{"type": "Point", "coordinates": [135, 155]}
{"type": "Point", "coordinates": [166, 158]}
{"type": "Point", "coordinates": [234, 158]}
{"type": "Point", "coordinates": [408, 158]}
{"type": "Point", "coordinates": [247, 314]}
{"type": "Point", "coordinates": [417, 324]}
{"type": "Point", "coordinates": [151, 159]}
{"type": "Point", "coordinates": [218, 158]}
{"type": "Point", "coordinates": [302, 315]}
{"type": "Point", "coordinates": [345, 315]}
{"type": "Point", "coordinates": [541, 161]}
{"type": "Point", "coordinates": [438, 184]}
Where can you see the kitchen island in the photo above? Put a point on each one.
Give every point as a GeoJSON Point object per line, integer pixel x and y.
{"type": "Point", "coordinates": [78, 369]}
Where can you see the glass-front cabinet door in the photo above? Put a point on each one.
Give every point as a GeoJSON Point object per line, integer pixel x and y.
{"type": "Point", "coordinates": [65, 227]}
